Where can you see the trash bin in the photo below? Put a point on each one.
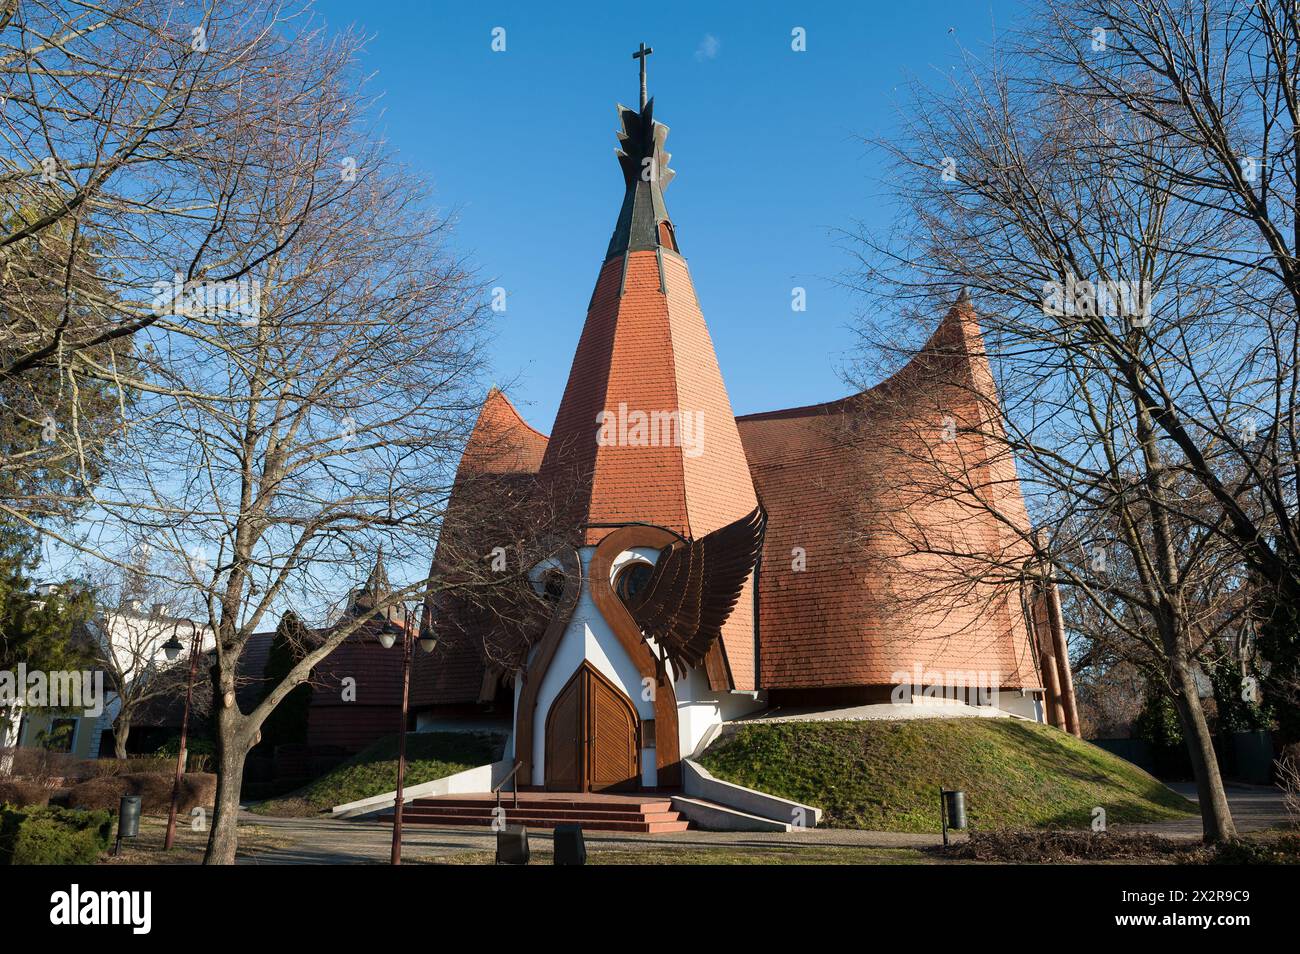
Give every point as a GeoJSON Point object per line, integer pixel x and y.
{"type": "Point", "coordinates": [954, 804]}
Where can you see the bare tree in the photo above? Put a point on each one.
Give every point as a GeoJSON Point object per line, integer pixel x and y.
{"type": "Point", "coordinates": [272, 452]}
{"type": "Point", "coordinates": [303, 351]}
{"type": "Point", "coordinates": [505, 554]}
{"type": "Point", "coordinates": [1214, 84]}
{"type": "Point", "coordinates": [1012, 191]}
{"type": "Point", "coordinates": [139, 613]}
{"type": "Point", "coordinates": [123, 127]}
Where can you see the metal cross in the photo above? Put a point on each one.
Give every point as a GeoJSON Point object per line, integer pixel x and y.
{"type": "Point", "coordinates": [641, 55]}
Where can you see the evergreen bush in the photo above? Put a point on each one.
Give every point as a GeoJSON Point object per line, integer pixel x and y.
{"type": "Point", "coordinates": [53, 836]}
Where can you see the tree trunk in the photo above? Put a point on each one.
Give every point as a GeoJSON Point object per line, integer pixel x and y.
{"type": "Point", "coordinates": [121, 732]}
{"type": "Point", "coordinates": [223, 840]}
{"type": "Point", "coordinates": [1171, 618]}
{"type": "Point", "coordinates": [1216, 817]}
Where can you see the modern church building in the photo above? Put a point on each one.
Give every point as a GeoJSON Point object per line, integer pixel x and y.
{"type": "Point", "coordinates": [723, 566]}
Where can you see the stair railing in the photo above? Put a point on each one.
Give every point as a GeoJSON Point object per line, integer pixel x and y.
{"type": "Point", "coordinates": [496, 790]}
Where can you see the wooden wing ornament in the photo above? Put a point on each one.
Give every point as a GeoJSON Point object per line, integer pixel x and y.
{"type": "Point", "coordinates": [694, 587]}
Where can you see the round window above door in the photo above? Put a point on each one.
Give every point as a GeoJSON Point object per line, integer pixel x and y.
{"type": "Point", "coordinates": [631, 579]}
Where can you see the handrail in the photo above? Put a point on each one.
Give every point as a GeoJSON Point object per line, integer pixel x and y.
{"type": "Point", "coordinates": [496, 789]}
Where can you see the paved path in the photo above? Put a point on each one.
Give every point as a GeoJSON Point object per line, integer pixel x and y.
{"type": "Point", "coordinates": [328, 841]}
{"type": "Point", "coordinates": [1254, 808]}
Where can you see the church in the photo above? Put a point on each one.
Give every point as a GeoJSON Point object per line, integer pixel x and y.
{"type": "Point", "coordinates": [718, 568]}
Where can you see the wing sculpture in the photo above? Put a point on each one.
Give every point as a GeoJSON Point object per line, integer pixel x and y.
{"type": "Point", "coordinates": [694, 587]}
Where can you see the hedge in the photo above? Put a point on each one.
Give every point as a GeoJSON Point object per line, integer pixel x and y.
{"type": "Point", "coordinates": [53, 836]}
{"type": "Point", "coordinates": [154, 789]}
{"type": "Point", "coordinates": [23, 794]}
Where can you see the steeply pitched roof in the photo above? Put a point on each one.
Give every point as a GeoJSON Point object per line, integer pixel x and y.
{"type": "Point", "coordinates": [375, 590]}
{"type": "Point", "coordinates": [503, 447]}
{"type": "Point", "coordinates": [643, 223]}
{"type": "Point", "coordinates": [645, 430]}
{"type": "Point", "coordinates": [645, 357]}
{"type": "Point", "coordinates": [856, 614]}
{"type": "Point", "coordinates": [502, 442]}
{"type": "Point", "coordinates": [864, 604]}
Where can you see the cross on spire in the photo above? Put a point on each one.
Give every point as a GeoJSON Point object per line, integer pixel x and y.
{"type": "Point", "coordinates": [641, 55]}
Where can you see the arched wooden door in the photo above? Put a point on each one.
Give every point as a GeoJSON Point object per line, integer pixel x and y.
{"type": "Point", "coordinates": [592, 740]}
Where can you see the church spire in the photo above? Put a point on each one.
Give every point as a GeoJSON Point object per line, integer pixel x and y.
{"type": "Point", "coordinates": [645, 432]}
{"type": "Point", "coordinates": [375, 591]}
{"type": "Point", "coordinates": [643, 223]}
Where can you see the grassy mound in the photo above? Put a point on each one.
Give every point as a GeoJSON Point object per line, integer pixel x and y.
{"type": "Point", "coordinates": [885, 776]}
{"type": "Point", "coordinates": [373, 771]}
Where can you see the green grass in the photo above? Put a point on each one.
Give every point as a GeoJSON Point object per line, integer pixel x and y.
{"type": "Point", "coordinates": [885, 776]}
{"type": "Point", "coordinates": [373, 771]}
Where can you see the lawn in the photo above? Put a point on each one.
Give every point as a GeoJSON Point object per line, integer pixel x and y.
{"type": "Point", "coordinates": [885, 776]}
{"type": "Point", "coordinates": [188, 848]}
{"type": "Point", "coordinates": [373, 771]}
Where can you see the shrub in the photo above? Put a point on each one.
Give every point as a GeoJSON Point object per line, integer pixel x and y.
{"type": "Point", "coordinates": [1278, 851]}
{"type": "Point", "coordinates": [198, 789]}
{"type": "Point", "coordinates": [53, 836]}
{"type": "Point", "coordinates": [1059, 845]}
{"type": "Point", "coordinates": [106, 768]}
{"type": "Point", "coordinates": [38, 764]}
{"type": "Point", "coordinates": [1287, 770]}
{"type": "Point", "coordinates": [100, 768]}
{"type": "Point", "coordinates": [200, 753]}
{"type": "Point", "coordinates": [154, 789]}
{"type": "Point", "coordinates": [23, 794]}
{"type": "Point", "coordinates": [98, 793]}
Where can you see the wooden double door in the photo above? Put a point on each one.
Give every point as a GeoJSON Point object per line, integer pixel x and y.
{"type": "Point", "coordinates": [592, 738]}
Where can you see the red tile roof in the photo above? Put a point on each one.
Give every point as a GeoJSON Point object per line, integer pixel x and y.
{"type": "Point", "coordinates": [501, 442]}
{"type": "Point", "coordinates": [867, 606]}
{"type": "Point", "coordinates": [503, 445]}
{"type": "Point", "coordinates": [858, 613]}
{"type": "Point", "coordinates": [645, 348]}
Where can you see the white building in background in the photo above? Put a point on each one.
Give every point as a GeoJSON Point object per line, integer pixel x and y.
{"type": "Point", "coordinates": [130, 644]}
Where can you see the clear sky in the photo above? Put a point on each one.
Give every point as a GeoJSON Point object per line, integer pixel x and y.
{"type": "Point", "coordinates": [765, 141]}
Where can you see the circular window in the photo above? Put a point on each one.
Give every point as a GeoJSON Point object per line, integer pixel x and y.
{"type": "Point", "coordinates": [632, 579]}
{"type": "Point", "coordinates": [553, 586]}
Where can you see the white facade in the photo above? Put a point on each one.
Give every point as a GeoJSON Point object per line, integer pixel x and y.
{"type": "Point", "coordinates": [589, 637]}
{"type": "Point", "coordinates": [131, 643]}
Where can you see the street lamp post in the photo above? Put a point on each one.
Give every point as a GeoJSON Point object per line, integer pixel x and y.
{"type": "Point", "coordinates": [387, 637]}
{"type": "Point", "coordinates": [172, 649]}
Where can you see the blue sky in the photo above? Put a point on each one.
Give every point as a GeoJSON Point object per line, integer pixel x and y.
{"type": "Point", "coordinates": [765, 142]}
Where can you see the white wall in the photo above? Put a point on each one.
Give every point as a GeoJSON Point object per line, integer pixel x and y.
{"type": "Point", "coordinates": [1025, 706]}
{"type": "Point", "coordinates": [589, 637]}
{"type": "Point", "coordinates": [699, 708]}
{"type": "Point", "coordinates": [135, 640]}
